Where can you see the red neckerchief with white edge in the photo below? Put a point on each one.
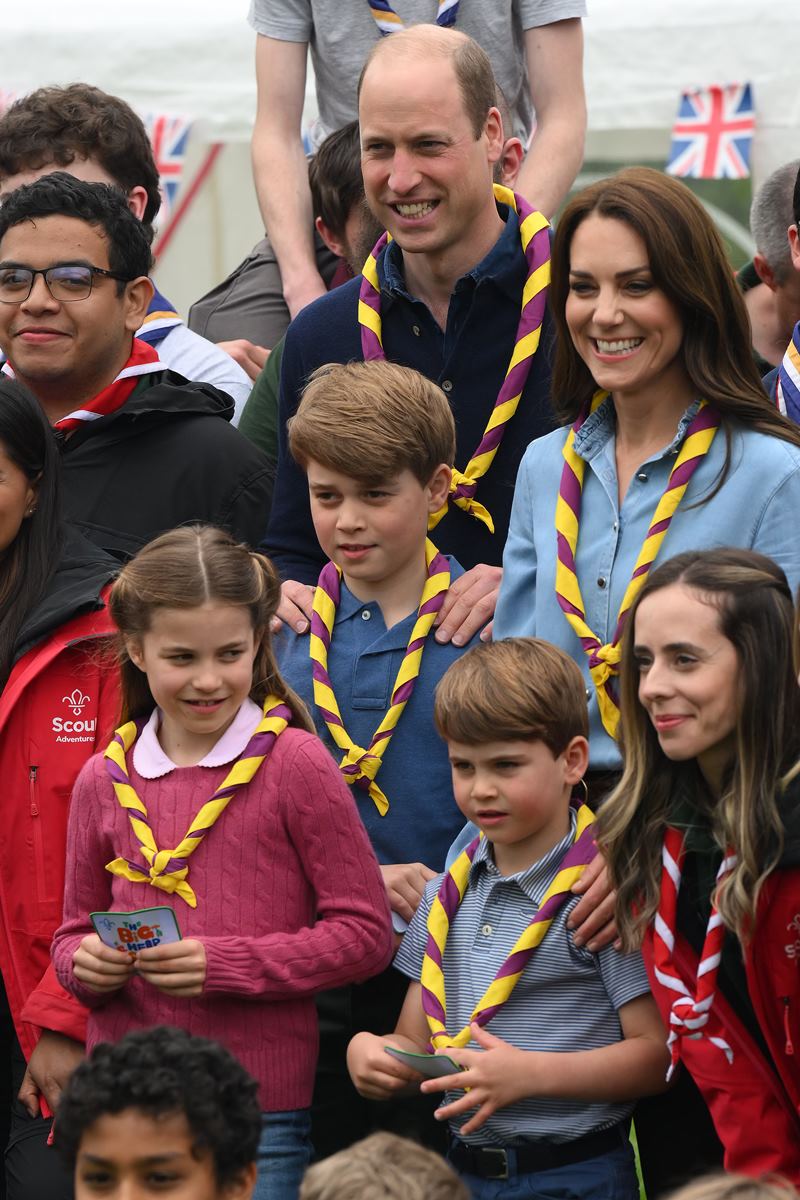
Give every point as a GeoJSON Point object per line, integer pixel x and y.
{"type": "Point", "coordinates": [143, 360]}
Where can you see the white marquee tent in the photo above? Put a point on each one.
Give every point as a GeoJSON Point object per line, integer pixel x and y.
{"type": "Point", "coordinates": [195, 57]}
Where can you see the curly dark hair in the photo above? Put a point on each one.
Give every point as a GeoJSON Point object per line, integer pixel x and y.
{"type": "Point", "coordinates": [59, 124]}
{"type": "Point", "coordinates": [99, 204]}
{"type": "Point", "coordinates": [164, 1071]}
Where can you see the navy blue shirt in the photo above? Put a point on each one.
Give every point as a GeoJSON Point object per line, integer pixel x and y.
{"type": "Point", "coordinates": [469, 360]}
{"type": "Point", "coordinates": [363, 662]}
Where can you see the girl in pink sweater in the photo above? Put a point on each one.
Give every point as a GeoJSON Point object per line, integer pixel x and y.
{"type": "Point", "coordinates": [216, 799]}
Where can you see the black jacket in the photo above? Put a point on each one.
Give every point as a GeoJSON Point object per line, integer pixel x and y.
{"type": "Point", "coordinates": [166, 458]}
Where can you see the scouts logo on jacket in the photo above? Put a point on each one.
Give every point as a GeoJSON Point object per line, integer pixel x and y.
{"type": "Point", "coordinates": [792, 950]}
{"type": "Point", "coordinates": [77, 701]}
{"type": "Point", "coordinates": [80, 730]}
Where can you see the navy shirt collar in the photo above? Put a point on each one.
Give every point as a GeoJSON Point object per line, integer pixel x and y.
{"type": "Point", "coordinates": [505, 265]}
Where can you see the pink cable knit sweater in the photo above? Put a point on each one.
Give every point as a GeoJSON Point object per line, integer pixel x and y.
{"type": "Point", "coordinates": [290, 901]}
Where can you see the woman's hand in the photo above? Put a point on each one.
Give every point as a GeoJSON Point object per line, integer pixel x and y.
{"type": "Point", "coordinates": [99, 968]}
{"type": "Point", "coordinates": [493, 1078]}
{"type": "Point", "coordinates": [593, 919]}
{"type": "Point", "coordinates": [179, 969]}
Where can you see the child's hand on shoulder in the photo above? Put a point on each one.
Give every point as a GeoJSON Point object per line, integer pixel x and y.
{"type": "Point", "coordinates": [377, 1075]}
{"type": "Point", "coordinates": [179, 969]}
{"type": "Point", "coordinates": [496, 1076]}
{"type": "Point", "coordinates": [99, 968]}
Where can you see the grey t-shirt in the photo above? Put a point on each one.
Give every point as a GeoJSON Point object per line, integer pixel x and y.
{"type": "Point", "coordinates": [342, 32]}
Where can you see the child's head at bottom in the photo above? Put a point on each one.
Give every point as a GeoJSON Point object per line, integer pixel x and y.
{"type": "Point", "coordinates": [514, 716]}
{"type": "Point", "coordinates": [721, 1186]}
{"type": "Point", "coordinates": [193, 609]}
{"type": "Point", "coordinates": [160, 1112]}
{"type": "Point", "coordinates": [383, 1167]}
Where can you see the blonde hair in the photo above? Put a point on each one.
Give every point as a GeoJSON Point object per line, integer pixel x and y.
{"type": "Point", "coordinates": [372, 420]}
{"type": "Point", "coordinates": [383, 1167]}
{"type": "Point", "coordinates": [736, 1187]}
{"type": "Point", "coordinates": [520, 689]}
{"type": "Point", "coordinates": [756, 615]}
{"type": "Point", "coordinates": [186, 568]}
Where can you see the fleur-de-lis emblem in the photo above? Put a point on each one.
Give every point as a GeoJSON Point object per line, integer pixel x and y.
{"type": "Point", "coordinates": [77, 701]}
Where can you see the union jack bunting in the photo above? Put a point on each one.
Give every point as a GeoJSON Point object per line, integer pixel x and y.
{"type": "Point", "coordinates": [713, 133]}
{"type": "Point", "coordinates": [169, 137]}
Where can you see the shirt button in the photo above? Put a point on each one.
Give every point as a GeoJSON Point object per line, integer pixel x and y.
{"type": "Point", "coordinates": [642, 475]}
{"type": "Point", "coordinates": [415, 330]}
{"type": "Point", "coordinates": [601, 581]}
{"type": "Point", "coordinates": [486, 930]}
{"type": "Point", "coordinates": [365, 614]}
{"type": "Point", "coordinates": [447, 385]}
{"type": "Point", "coordinates": [616, 526]}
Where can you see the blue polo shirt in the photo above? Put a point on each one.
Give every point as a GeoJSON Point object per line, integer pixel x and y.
{"type": "Point", "coordinates": [468, 360]}
{"type": "Point", "coordinates": [363, 662]}
{"type": "Point", "coordinates": [754, 509]}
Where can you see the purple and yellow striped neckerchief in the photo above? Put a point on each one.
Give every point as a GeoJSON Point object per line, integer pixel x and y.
{"type": "Point", "coordinates": [444, 909]}
{"type": "Point", "coordinates": [787, 389]}
{"type": "Point", "coordinates": [533, 230]}
{"type": "Point", "coordinates": [169, 868]}
{"type": "Point", "coordinates": [388, 21]}
{"type": "Point", "coordinates": [361, 765]}
{"type": "Point", "coordinates": [604, 659]}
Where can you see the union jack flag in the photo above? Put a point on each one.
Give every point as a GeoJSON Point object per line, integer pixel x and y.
{"type": "Point", "coordinates": [713, 133]}
{"type": "Point", "coordinates": [169, 136]}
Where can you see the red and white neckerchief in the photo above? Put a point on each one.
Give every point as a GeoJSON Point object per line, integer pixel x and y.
{"type": "Point", "coordinates": [144, 360]}
{"type": "Point", "coordinates": [690, 1013]}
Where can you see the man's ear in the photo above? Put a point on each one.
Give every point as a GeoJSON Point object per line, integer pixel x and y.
{"type": "Point", "coordinates": [137, 201]}
{"type": "Point", "coordinates": [331, 240]}
{"type": "Point", "coordinates": [794, 245]}
{"type": "Point", "coordinates": [510, 161]}
{"type": "Point", "coordinates": [764, 271]}
{"type": "Point", "coordinates": [493, 132]}
{"type": "Point", "coordinates": [439, 487]}
{"type": "Point", "coordinates": [138, 295]}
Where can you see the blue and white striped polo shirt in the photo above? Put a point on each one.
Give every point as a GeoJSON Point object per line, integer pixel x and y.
{"type": "Point", "coordinates": [566, 998]}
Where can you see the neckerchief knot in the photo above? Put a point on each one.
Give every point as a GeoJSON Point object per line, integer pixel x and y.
{"type": "Point", "coordinates": [604, 658]}
{"type": "Point", "coordinates": [692, 1010]}
{"type": "Point", "coordinates": [535, 241]}
{"type": "Point", "coordinates": [359, 764]}
{"type": "Point", "coordinates": [168, 869]}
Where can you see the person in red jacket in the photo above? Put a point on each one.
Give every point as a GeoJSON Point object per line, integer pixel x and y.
{"type": "Point", "coordinates": [58, 701]}
{"type": "Point", "coordinates": [702, 838]}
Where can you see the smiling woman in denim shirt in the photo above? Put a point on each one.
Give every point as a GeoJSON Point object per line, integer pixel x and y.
{"type": "Point", "coordinates": [650, 324]}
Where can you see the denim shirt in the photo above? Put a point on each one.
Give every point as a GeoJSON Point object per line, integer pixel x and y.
{"type": "Point", "coordinates": [756, 508]}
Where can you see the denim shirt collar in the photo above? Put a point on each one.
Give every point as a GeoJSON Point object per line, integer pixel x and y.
{"type": "Point", "coordinates": [600, 427]}
{"type": "Point", "coordinates": [535, 879]}
{"type": "Point", "coordinates": [504, 264]}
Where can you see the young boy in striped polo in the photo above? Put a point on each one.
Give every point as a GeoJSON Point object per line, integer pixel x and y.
{"type": "Point", "coordinates": [555, 1042]}
{"type": "Point", "coordinates": [376, 441]}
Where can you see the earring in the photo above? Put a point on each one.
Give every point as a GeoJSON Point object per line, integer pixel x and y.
{"type": "Point", "coordinates": [585, 787]}
{"type": "Point", "coordinates": [30, 511]}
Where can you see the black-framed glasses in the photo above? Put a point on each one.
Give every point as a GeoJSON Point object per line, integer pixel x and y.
{"type": "Point", "coordinates": [65, 283]}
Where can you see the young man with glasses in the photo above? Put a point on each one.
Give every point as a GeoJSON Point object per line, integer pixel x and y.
{"type": "Point", "coordinates": [143, 449]}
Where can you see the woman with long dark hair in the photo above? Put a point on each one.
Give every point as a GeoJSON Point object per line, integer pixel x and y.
{"type": "Point", "coordinates": [58, 701]}
{"type": "Point", "coordinates": [668, 442]}
{"type": "Point", "coordinates": [702, 838]}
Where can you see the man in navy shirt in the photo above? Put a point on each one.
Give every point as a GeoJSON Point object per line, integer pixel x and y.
{"type": "Point", "coordinates": [451, 285]}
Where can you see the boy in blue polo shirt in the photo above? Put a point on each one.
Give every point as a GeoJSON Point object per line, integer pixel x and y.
{"type": "Point", "coordinates": [572, 1037]}
{"type": "Point", "coordinates": [376, 441]}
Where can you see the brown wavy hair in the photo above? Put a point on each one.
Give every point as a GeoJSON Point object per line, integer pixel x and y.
{"type": "Point", "coordinates": [756, 614]}
{"type": "Point", "coordinates": [688, 263]}
{"type": "Point", "coordinates": [185, 568]}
